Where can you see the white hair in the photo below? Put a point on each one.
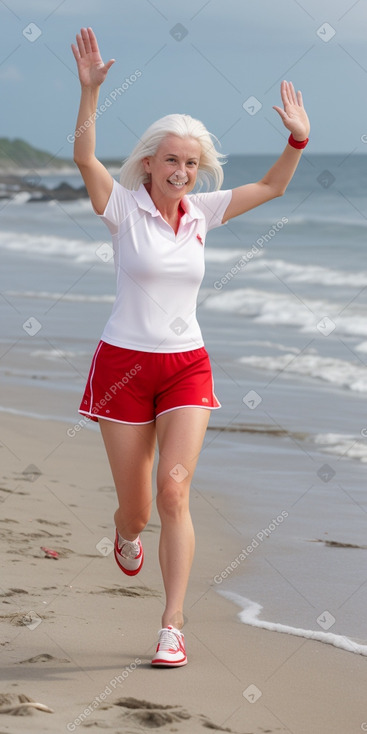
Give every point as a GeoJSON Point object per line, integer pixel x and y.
{"type": "Point", "coordinates": [210, 171]}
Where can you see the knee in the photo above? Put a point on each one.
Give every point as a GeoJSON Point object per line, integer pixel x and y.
{"type": "Point", "coordinates": [172, 498]}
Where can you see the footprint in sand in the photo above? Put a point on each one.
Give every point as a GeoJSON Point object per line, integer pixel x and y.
{"type": "Point", "coordinates": [5, 491]}
{"type": "Point", "coordinates": [60, 524]}
{"type": "Point", "coordinates": [154, 715]}
{"type": "Point", "coordinates": [7, 520]}
{"type": "Point", "coordinates": [43, 657]}
{"type": "Point", "coordinates": [141, 591]}
{"type": "Point", "coordinates": [25, 619]}
{"type": "Point", "coordinates": [13, 592]}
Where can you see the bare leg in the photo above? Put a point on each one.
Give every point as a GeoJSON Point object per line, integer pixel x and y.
{"type": "Point", "coordinates": [180, 435]}
{"type": "Point", "coordinates": [130, 450]}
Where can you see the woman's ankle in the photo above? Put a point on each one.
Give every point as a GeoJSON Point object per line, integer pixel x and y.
{"type": "Point", "coordinates": [173, 620]}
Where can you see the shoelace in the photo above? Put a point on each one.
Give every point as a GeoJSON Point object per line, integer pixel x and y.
{"type": "Point", "coordinates": [130, 549]}
{"type": "Point", "coordinates": [167, 640]}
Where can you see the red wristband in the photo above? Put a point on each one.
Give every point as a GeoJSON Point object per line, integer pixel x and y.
{"type": "Point", "coordinates": [299, 144]}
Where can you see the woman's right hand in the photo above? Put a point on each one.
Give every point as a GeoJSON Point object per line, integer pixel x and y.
{"type": "Point", "coordinates": [91, 69]}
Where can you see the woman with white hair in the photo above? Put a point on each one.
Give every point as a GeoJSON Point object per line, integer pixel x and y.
{"type": "Point", "coordinates": [150, 377]}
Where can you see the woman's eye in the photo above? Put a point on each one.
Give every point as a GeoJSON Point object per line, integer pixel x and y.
{"type": "Point", "coordinates": [190, 163]}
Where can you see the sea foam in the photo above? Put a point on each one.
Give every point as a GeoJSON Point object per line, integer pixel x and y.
{"type": "Point", "coordinates": [271, 308]}
{"type": "Point", "coordinates": [250, 615]}
{"type": "Point", "coordinates": [351, 375]}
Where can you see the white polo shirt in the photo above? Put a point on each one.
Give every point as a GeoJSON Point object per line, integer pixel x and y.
{"type": "Point", "coordinates": [158, 272]}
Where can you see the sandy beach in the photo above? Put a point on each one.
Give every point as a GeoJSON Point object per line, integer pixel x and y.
{"type": "Point", "coordinates": [275, 612]}
{"type": "Point", "coordinates": [78, 637]}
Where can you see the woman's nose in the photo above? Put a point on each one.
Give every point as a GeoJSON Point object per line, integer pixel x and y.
{"type": "Point", "coordinates": [180, 173]}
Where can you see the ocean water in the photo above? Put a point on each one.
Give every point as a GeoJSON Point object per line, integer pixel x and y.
{"type": "Point", "coordinates": [283, 311]}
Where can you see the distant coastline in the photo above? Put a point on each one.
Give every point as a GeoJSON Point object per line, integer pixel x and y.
{"type": "Point", "coordinates": [18, 154]}
{"type": "Point", "coordinates": [28, 171]}
{"type": "Point", "coordinates": [22, 168]}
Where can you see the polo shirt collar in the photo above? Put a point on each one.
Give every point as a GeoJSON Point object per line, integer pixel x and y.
{"type": "Point", "coordinates": [145, 202]}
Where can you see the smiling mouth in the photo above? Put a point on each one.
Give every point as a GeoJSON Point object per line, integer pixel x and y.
{"type": "Point", "coordinates": [177, 184]}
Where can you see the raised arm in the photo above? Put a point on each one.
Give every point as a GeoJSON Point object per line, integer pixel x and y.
{"type": "Point", "coordinates": [276, 180]}
{"type": "Point", "coordinates": [92, 73]}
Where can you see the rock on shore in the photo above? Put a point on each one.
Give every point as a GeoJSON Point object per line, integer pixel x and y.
{"type": "Point", "coordinates": [11, 185]}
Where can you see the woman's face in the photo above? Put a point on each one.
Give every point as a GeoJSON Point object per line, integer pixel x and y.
{"type": "Point", "coordinates": [174, 167]}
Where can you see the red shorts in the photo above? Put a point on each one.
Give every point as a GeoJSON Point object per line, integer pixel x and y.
{"type": "Point", "coordinates": [128, 386]}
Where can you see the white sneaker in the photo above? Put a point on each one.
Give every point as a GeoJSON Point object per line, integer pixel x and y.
{"type": "Point", "coordinates": [129, 555]}
{"type": "Point", "coordinates": [170, 650]}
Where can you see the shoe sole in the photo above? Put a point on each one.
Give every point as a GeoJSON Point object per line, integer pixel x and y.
{"type": "Point", "coordinates": [126, 570]}
{"type": "Point", "coordinates": [165, 664]}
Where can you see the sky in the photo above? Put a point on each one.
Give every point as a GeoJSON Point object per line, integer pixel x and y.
{"type": "Point", "coordinates": [220, 61]}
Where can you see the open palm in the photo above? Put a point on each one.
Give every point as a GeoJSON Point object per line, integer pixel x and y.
{"type": "Point", "coordinates": [91, 69]}
{"type": "Point", "coordinates": [293, 115]}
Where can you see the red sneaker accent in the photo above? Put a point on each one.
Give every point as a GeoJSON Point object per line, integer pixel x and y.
{"type": "Point", "coordinates": [170, 650]}
{"type": "Point", "coordinates": [129, 556]}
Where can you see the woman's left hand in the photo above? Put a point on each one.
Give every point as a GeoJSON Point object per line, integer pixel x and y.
{"type": "Point", "coordinates": [293, 115]}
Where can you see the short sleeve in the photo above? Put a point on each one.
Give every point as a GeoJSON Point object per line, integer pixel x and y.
{"type": "Point", "coordinates": [213, 205]}
{"type": "Point", "coordinates": [118, 207]}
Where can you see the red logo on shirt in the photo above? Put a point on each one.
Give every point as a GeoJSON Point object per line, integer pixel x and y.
{"type": "Point", "coordinates": [199, 238]}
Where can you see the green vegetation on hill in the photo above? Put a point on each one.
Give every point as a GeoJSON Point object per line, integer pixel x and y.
{"type": "Point", "coordinates": [19, 154]}
{"type": "Point", "coordinates": [14, 153]}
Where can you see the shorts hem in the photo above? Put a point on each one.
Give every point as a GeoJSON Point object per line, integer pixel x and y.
{"type": "Point", "coordinates": [115, 420]}
{"type": "Point", "coordinates": [206, 407]}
